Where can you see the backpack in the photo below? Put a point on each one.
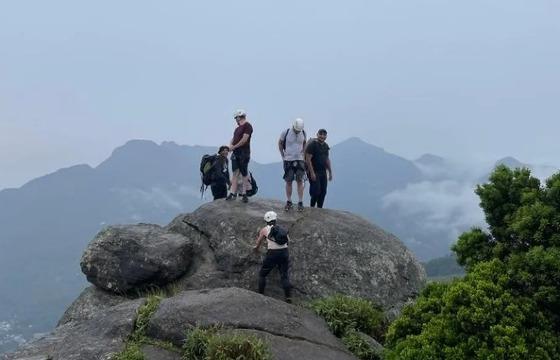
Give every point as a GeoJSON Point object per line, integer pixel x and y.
{"type": "Point", "coordinates": [206, 166]}
{"type": "Point", "coordinates": [278, 234]}
{"type": "Point", "coordinates": [286, 136]}
{"type": "Point", "coordinates": [254, 187]}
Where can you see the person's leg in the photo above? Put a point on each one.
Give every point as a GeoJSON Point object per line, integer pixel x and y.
{"type": "Point", "coordinates": [289, 191]}
{"type": "Point", "coordinates": [233, 190]}
{"type": "Point", "coordinates": [313, 191]}
{"type": "Point", "coordinates": [219, 191]}
{"type": "Point", "coordinates": [267, 266]}
{"type": "Point", "coordinates": [215, 191]}
{"type": "Point", "coordinates": [322, 190]}
{"type": "Point", "coordinates": [244, 171]}
{"type": "Point", "coordinates": [284, 266]}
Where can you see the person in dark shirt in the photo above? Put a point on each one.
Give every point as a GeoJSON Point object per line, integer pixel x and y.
{"type": "Point", "coordinates": [241, 147]}
{"type": "Point", "coordinates": [318, 164]}
{"type": "Point", "coordinates": [220, 174]}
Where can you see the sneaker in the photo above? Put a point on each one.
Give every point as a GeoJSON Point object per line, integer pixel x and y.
{"type": "Point", "coordinates": [289, 300]}
{"type": "Point", "coordinates": [245, 198]}
{"type": "Point", "coordinates": [300, 206]}
{"type": "Point", "coordinates": [231, 196]}
{"type": "Point", "coordinates": [288, 206]}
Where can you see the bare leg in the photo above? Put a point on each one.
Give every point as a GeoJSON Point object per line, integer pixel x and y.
{"type": "Point", "coordinates": [234, 182]}
{"type": "Point", "coordinates": [246, 184]}
{"type": "Point", "coordinates": [300, 188]}
{"type": "Point", "coordinates": [289, 190]}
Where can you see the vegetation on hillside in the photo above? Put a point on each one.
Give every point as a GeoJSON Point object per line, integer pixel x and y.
{"type": "Point", "coordinates": [508, 304]}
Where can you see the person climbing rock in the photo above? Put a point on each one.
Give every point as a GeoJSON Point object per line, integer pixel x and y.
{"type": "Point", "coordinates": [276, 255]}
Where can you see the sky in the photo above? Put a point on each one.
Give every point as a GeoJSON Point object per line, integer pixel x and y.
{"type": "Point", "coordinates": [469, 80]}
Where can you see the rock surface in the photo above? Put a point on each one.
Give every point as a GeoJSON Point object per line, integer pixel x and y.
{"type": "Point", "coordinates": [122, 258]}
{"type": "Point", "coordinates": [208, 254]}
{"type": "Point", "coordinates": [98, 337]}
{"type": "Point", "coordinates": [290, 332]}
{"type": "Point", "coordinates": [331, 252]}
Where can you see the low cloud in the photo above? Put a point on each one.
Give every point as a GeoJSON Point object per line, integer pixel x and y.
{"type": "Point", "coordinates": [447, 206]}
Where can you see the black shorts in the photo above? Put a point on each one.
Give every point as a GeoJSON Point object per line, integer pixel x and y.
{"type": "Point", "coordinates": [240, 161]}
{"type": "Point", "coordinates": [294, 170]}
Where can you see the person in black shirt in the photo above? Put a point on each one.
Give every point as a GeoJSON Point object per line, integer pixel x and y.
{"type": "Point", "coordinates": [220, 174]}
{"type": "Point", "coordinates": [318, 164]}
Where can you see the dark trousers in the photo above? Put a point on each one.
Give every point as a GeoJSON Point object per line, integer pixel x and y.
{"type": "Point", "coordinates": [276, 258]}
{"type": "Point", "coordinates": [318, 189]}
{"type": "Point", "coordinates": [219, 191]}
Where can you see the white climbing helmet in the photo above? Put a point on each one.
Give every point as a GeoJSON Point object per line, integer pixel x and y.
{"type": "Point", "coordinates": [270, 216]}
{"type": "Point", "coordinates": [298, 124]}
{"type": "Point", "coordinates": [239, 113]}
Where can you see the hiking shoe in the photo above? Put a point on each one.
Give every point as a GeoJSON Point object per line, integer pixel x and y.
{"type": "Point", "coordinates": [288, 206]}
{"type": "Point", "coordinates": [231, 196]}
{"type": "Point", "coordinates": [288, 300]}
{"type": "Point", "coordinates": [245, 198]}
{"type": "Point", "coordinates": [300, 206]}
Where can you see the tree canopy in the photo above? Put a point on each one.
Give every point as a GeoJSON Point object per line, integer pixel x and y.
{"type": "Point", "coordinates": [508, 304]}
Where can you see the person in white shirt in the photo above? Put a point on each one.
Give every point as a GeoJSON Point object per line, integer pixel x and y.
{"type": "Point", "coordinates": [291, 145]}
{"type": "Point", "coordinates": [276, 255]}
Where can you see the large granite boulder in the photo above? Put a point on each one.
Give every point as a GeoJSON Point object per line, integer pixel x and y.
{"type": "Point", "coordinates": [100, 336]}
{"type": "Point", "coordinates": [122, 258]}
{"type": "Point", "coordinates": [290, 332]}
{"type": "Point", "coordinates": [331, 252]}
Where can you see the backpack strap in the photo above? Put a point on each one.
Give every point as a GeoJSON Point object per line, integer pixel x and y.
{"type": "Point", "coordinates": [285, 137]}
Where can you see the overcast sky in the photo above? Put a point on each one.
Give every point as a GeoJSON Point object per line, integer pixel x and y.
{"type": "Point", "coordinates": [468, 80]}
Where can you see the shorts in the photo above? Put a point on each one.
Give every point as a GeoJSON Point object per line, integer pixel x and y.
{"type": "Point", "coordinates": [294, 170]}
{"type": "Point", "coordinates": [240, 162]}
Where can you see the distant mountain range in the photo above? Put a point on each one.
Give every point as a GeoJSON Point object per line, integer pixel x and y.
{"type": "Point", "coordinates": [47, 223]}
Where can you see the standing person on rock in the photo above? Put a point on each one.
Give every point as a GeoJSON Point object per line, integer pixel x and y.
{"type": "Point", "coordinates": [318, 164]}
{"type": "Point", "coordinates": [277, 253]}
{"type": "Point", "coordinates": [291, 145]}
{"type": "Point", "coordinates": [220, 174]}
{"type": "Point", "coordinates": [241, 148]}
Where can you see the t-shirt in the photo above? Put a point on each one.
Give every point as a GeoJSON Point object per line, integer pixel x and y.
{"type": "Point", "coordinates": [246, 128]}
{"type": "Point", "coordinates": [320, 153]}
{"type": "Point", "coordinates": [294, 144]}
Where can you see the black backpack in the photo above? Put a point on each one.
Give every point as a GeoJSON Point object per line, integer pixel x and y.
{"type": "Point", "coordinates": [254, 187]}
{"type": "Point", "coordinates": [206, 168]}
{"type": "Point", "coordinates": [278, 234]}
{"type": "Point", "coordinates": [286, 136]}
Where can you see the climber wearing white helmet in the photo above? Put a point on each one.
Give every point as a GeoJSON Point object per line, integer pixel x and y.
{"type": "Point", "coordinates": [291, 145]}
{"type": "Point", "coordinates": [277, 254]}
{"type": "Point", "coordinates": [241, 148]}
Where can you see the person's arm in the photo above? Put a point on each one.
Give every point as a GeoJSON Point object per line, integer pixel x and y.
{"type": "Point", "coordinates": [241, 142]}
{"type": "Point", "coordinates": [329, 168]}
{"type": "Point", "coordinates": [308, 157]}
{"type": "Point", "coordinates": [281, 144]}
{"type": "Point", "coordinates": [260, 238]}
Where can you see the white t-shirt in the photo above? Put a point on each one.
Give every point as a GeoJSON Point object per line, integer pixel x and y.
{"type": "Point", "coordinates": [294, 144]}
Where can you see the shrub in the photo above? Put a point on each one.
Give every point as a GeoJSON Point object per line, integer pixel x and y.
{"type": "Point", "coordinates": [359, 346]}
{"type": "Point", "coordinates": [144, 314]}
{"type": "Point", "coordinates": [131, 352]}
{"type": "Point", "coordinates": [233, 347]}
{"type": "Point", "coordinates": [343, 313]}
{"type": "Point", "coordinates": [209, 344]}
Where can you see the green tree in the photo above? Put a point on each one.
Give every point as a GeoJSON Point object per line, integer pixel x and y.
{"type": "Point", "coordinates": [508, 304]}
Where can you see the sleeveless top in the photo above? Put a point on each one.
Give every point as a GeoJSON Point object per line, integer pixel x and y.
{"type": "Point", "coordinates": [271, 244]}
